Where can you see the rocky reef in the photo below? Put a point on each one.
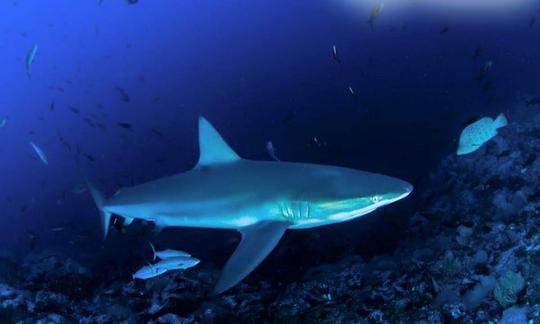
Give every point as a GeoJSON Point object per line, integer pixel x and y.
{"type": "Point", "coordinates": [471, 254]}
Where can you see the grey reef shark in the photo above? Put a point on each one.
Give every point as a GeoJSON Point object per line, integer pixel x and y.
{"type": "Point", "coordinates": [260, 199]}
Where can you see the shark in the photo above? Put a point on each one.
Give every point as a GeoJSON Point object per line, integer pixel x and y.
{"type": "Point", "coordinates": [260, 199]}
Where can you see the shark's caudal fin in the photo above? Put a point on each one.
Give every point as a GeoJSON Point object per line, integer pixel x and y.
{"type": "Point", "coordinates": [212, 147]}
{"type": "Point", "coordinates": [258, 241]}
{"type": "Point", "coordinates": [99, 200]}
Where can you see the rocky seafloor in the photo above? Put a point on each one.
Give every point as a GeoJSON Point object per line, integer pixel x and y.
{"type": "Point", "coordinates": [470, 254]}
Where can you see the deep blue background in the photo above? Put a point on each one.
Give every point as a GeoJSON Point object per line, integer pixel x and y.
{"type": "Point", "coordinates": [258, 70]}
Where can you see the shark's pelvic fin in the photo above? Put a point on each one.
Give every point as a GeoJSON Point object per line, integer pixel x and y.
{"type": "Point", "coordinates": [212, 148]}
{"type": "Point", "coordinates": [258, 241]}
{"type": "Point", "coordinates": [128, 221]}
{"type": "Point", "coordinates": [158, 227]}
{"type": "Point", "coordinates": [100, 200]}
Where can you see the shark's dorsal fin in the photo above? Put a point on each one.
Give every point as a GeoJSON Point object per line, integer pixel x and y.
{"type": "Point", "coordinates": [212, 148]}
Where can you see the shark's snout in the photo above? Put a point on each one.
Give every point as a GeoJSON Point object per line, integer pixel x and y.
{"type": "Point", "coordinates": [407, 188]}
{"type": "Point", "coordinates": [403, 190]}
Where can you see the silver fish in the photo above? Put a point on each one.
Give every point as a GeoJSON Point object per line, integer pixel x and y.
{"type": "Point", "coordinates": [30, 57]}
{"type": "Point", "coordinates": [271, 151]}
{"type": "Point", "coordinates": [177, 263]}
{"type": "Point", "coordinates": [168, 253]}
{"type": "Point", "coordinates": [148, 271]}
{"type": "Point", "coordinates": [40, 153]}
{"type": "Point", "coordinates": [3, 122]}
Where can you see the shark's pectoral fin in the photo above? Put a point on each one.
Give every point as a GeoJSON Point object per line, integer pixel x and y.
{"type": "Point", "coordinates": [257, 242]}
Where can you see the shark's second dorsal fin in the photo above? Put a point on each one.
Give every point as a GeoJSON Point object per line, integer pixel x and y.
{"type": "Point", "coordinates": [212, 148]}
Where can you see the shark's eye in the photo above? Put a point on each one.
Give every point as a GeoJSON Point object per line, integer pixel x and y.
{"type": "Point", "coordinates": [375, 199]}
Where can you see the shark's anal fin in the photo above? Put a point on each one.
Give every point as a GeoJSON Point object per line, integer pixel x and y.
{"type": "Point", "coordinates": [212, 147]}
{"type": "Point", "coordinates": [258, 241]}
{"type": "Point", "coordinates": [128, 221]}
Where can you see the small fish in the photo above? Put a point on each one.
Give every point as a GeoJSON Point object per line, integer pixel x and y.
{"type": "Point", "coordinates": [79, 189]}
{"type": "Point", "coordinates": [31, 235]}
{"type": "Point", "coordinates": [444, 30]}
{"type": "Point", "coordinates": [477, 53]}
{"type": "Point", "coordinates": [335, 54]}
{"type": "Point", "coordinates": [375, 14]}
{"type": "Point", "coordinates": [74, 110]}
{"type": "Point", "coordinates": [40, 153]}
{"type": "Point", "coordinates": [532, 21]}
{"type": "Point", "coordinates": [3, 122]}
{"type": "Point", "coordinates": [30, 57]}
{"type": "Point", "coordinates": [101, 126]}
{"type": "Point", "coordinates": [484, 71]}
{"type": "Point", "coordinates": [57, 229]}
{"type": "Point", "coordinates": [318, 142]}
{"type": "Point", "coordinates": [125, 125]}
{"type": "Point", "coordinates": [67, 147]}
{"type": "Point", "coordinates": [271, 151]}
{"type": "Point", "coordinates": [167, 254]}
{"type": "Point", "coordinates": [530, 102]}
{"type": "Point", "coordinates": [62, 198]}
{"type": "Point", "coordinates": [51, 106]}
{"type": "Point", "coordinates": [158, 133]}
{"type": "Point", "coordinates": [90, 122]}
{"type": "Point", "coordinates": [33, 238]}
{"type": "Point", "coordinates": [476, 134]}
{"type": "Point", "coordinates": [148, 271]}
{"type": "Point", "coordinates": [351, 90]}
{"type": "Point", "coordinates": [487, 86]}
{"type": "Point", "coordinates": [289, 117]}
{"type": "Point", "coordinates": [123, 94]}
{"type": "Point", "coordinates": [177, 263]}
{"type": "Point", "coordinates": [89, 157]}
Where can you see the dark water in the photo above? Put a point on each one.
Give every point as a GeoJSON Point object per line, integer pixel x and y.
{"type": "Point", "coordinates": [115, 91]}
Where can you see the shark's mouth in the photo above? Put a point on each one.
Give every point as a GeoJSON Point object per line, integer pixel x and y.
{"type": "Point", "coordinates": [350, 209]}
{"type": "Point", "coordinates": [344, 216]}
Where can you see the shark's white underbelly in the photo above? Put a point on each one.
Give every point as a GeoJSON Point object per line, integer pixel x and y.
{"type": "Point", "coordinates": [231, 212]}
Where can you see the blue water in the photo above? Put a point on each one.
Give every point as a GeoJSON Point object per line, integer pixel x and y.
{"type": "Point", "coordinates": [259, 70]}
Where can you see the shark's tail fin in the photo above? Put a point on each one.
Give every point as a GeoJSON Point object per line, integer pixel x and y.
{"type": "Point", "coordinates": [99, 200]}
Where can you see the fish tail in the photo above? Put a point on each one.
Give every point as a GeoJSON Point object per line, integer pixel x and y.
{"type": "Point", "coordinates": [99, 199]}
{"type": "Point", "coordinates": [153, 250]}
{"type": "Point", "coordinates": [501, 121]}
